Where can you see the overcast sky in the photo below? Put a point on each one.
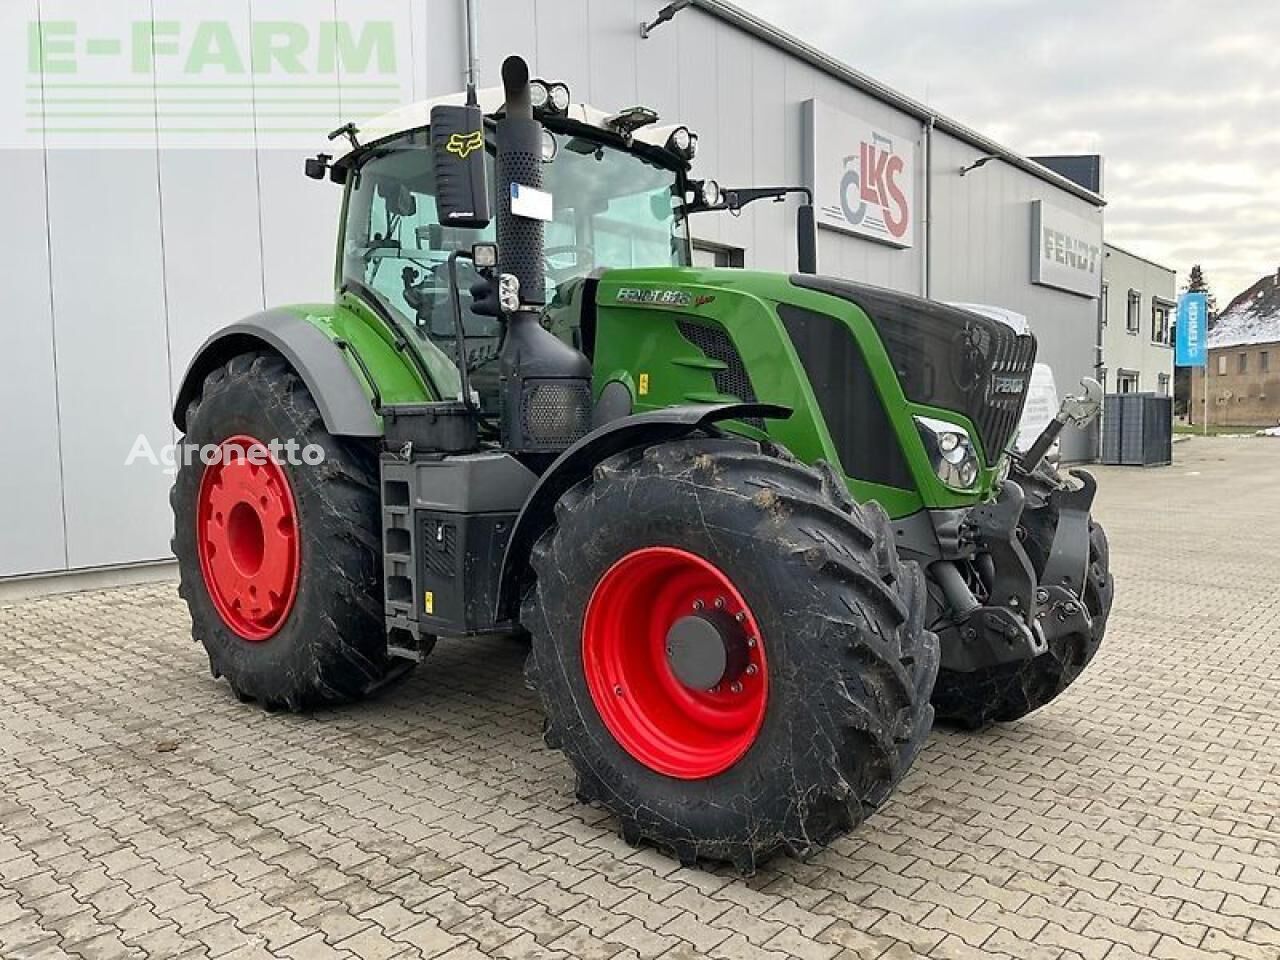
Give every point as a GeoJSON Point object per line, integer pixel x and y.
{"type": "Point", "coordinates": [1181, 97]}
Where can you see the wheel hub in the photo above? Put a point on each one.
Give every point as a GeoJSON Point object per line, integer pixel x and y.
{"type": "Point", "coordinates": [707, 649]}
{"type": "Point", "coordinates": [247, 537]}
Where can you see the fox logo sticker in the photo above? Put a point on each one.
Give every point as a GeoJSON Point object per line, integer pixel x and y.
{"type": "Point", "coordinates": [464, 144]}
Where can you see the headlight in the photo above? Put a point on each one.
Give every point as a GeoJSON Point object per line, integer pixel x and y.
{"type": "Point", "coordinates": [951, 452]}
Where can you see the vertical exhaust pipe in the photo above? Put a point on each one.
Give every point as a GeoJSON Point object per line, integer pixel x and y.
{"type": "Point", "coordinates": [519, 162]}
{"type": "Point", "coordinates": [546, 384]}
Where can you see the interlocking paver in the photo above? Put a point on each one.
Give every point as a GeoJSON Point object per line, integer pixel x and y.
{"type": "Point", "coordinates": [1135, 817]}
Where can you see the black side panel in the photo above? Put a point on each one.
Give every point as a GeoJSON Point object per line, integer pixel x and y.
{"type": "Point", "coordinates": [459, 565]}
{"type": "Point", "coordinates": [855, 415]}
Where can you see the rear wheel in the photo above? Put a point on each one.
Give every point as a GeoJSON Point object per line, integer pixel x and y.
{"type": "Point", "coordinates": [280, 562]}
{"type": "Point", "coordinates": [1011, 691]}
{"type": "Point", "coordinates": [728, 650]}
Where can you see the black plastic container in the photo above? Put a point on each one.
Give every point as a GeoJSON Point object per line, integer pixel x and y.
{"type": "Point", "coordinates": [446, 427]}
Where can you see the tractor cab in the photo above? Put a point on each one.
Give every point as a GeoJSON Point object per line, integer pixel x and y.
{"type": "Point", "coordinates": [619, 198]}
{"type": "Point", "coordinates": [617, 195]}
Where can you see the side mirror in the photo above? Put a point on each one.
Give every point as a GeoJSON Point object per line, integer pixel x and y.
{"type": "Point", "coordinates": [806, 239]}
{"type": "Point", "coordinates": [458, 154]}
{"type": "Point", "coordinates": [316, 167]}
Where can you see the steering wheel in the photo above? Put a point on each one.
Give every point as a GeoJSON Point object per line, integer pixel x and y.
{"type": "Point", "coordinates": [584, 259]}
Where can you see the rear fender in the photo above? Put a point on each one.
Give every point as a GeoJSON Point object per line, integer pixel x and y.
{"type": "Point", "coordinates": [348, 401]}
{"type": "Point", "coordinates": [576, 463]}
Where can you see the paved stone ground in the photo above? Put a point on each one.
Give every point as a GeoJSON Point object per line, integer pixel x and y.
{"type": "Point", "coordinates": [144, 812]}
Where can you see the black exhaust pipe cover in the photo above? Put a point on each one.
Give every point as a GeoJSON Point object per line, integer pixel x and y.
{"type": "Point", "coordinates": [546, 384]}
{"type": "Point", "coordinates": [519, 164]}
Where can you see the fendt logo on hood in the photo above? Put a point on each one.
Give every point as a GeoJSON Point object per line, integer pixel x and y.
{"type": "Point", "coordinates": [871, 189]}
{"type": "Point", "coordinates": [862, 175]}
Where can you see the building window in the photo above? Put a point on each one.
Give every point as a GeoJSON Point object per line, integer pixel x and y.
{"type": "Point", "coordinates": [1264, 361]}
{"type": "Point", "coordinates": [1103, 308]}
{"type": "Point", "coordinates": [1222, 365]}
{"type": "Point", "coordinates": [1132, 320]}
{"type": "Point", "coordinates": [1127, 381]}
{"type": "Point", "coordinates": [1159, 321]}
{"type": "Point", "coordinates": [1242, 363]}
{"type": "Point", "coordinates": [706, 254]}
{"type": "Point", "coordinates": [1163, 387]}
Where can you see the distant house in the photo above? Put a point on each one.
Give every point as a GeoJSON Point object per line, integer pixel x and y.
{"type": "Point", "coordinates": [1243, 374]}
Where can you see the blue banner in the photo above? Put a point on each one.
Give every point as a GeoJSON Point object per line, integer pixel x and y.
{"type": "Point", "coordinates": [1192, 349]}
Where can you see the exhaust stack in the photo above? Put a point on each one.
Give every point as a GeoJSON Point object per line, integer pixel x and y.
{"type": "Point", "coordinates": [546, 384]}
{"type": "Point", "coordinates": [519, 163]}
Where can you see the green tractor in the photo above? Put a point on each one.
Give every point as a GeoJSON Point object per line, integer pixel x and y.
{"type": "Point", "coordinates": [758, 527]}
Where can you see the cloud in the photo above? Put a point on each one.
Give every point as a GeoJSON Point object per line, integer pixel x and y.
{"type": "Point", "coordinates": [1181, 97]}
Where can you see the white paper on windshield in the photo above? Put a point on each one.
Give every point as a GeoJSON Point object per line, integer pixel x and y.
{"type": "Point", "coordinates": [530, 203]}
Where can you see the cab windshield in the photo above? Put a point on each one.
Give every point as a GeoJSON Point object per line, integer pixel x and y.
{"type": "Point", "coordinates": [610, 209]}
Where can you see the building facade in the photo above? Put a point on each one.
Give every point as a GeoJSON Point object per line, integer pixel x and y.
{"type": "Point", "coordinates": [137, 242]}
{"type": "Point", "coordinates": [1242, 376]}
{"type": "Point", "coordinates": [1139, 303]}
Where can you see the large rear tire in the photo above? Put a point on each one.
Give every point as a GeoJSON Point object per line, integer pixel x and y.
{"type": "Point", "coordinates": [280, 563]}
{"type": "Point", "coordinates": [1011, 691]}
{"type": "Point", "coordinates": [827, 704]}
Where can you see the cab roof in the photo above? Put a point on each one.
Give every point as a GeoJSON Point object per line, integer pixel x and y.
{"type": "Point", "coordinates": [417, 116]}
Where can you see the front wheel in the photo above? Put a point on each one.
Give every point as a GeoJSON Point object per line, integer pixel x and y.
{"type": "Point", "coordinates": [728, 650]}
{"type": "Point", "coordinates": [280, 562]}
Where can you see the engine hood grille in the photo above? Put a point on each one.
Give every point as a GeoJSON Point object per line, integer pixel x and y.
{"type": "Point", "coordinates": [947, 357]}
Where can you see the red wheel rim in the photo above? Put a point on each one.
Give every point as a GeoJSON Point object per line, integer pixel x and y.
{"type": "Point", "coordinates": [247, 539]}
{"type": "Point", "coordinates": [669, 727]}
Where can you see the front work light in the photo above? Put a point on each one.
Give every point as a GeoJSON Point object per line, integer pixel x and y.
{"type": "Point", "coordinates": [559, 98]}
{"type": "Point", "coordinates": [951, 452]}
{"type": "Point", "coordinates": [539, 94]}
{"type": "Point", "coordinates": [683, 142]}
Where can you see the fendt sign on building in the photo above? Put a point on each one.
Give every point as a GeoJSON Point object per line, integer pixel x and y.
{"type": "Point", "coordinates": [1066, 250]}
{"type": "Point", "coordinates": [863, 178]}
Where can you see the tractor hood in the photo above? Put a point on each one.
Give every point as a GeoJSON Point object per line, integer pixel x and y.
{"type": "Point", "coordinates": [947, 357]}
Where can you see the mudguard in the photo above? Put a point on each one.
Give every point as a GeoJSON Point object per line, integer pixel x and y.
{"type": "Point", "coordinates": [348, 408]}
{"type": "Point", "coordinates": [576, 463]}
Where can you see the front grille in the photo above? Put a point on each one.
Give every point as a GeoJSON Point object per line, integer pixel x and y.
{"type": "Point", "coordinates": [733, 380]}
{"type": "Point", "coordinates": [998, 417]}
{"type": "Point", "coordinates": [946, 357]}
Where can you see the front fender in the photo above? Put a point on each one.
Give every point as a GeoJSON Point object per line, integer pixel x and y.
{"type": "Point", "coordinates": [575, 464]}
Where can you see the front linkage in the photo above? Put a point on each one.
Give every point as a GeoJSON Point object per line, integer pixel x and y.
{"type": "Point", "coordinates": [1024, 586]}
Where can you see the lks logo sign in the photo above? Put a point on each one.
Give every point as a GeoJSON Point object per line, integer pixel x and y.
{"type": "Point", "coordinates": [863, 178]}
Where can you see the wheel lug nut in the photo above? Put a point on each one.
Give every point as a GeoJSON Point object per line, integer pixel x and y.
{"type": "Point", "coordinates": [735, 687]}
{"type": "Point", "coordinates": [698, 604]}
{"type": "Point", "coordinates": [740, 616]}
{"type": "Point", "coordinates": [617, 690]}
{"type": "Point", "coordinates": [719, 603]}
{"type": "Point", "coordinates": [751, 641]}
{"type": "Point", "coordinates": [751, 670]}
